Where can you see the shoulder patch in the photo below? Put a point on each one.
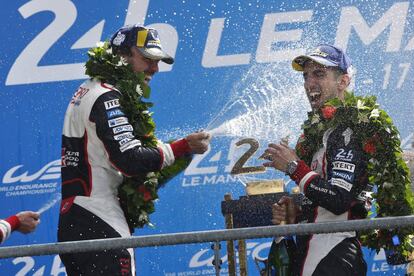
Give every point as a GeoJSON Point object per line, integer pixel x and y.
{"type": "Point", "coordinates": [111, 104]}
{"type": "Point", "coordinates": [114, 113]}
{"type": "Point", "coordinates": [118, 121]}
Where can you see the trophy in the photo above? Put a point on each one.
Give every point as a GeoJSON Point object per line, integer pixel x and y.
{"type": "Point", "coordinates": [254, 185]}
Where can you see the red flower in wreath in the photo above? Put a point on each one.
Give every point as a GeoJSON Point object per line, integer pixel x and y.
{"type": "Point", "coordinates": [301, 138]}
{"type": "Point", "coordinates": [369, 147]}
{"type": "Point", "coordinates": [328, 111]}
{"type": "Point", "coordinates": [145, 193]}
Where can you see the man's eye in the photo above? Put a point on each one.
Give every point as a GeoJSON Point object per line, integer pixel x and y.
{"type": "Point", "coordinates": [320, 74]}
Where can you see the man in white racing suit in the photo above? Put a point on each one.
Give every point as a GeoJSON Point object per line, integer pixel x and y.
{"type": "Point", "coordinates": [99, 149]}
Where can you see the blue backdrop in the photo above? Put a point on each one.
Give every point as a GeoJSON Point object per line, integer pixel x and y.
{"type": "Point", "coordinates": [232, 76]}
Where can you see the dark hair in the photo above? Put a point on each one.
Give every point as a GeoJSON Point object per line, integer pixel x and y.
{"type": "Point", "coordinates": [122, 51]}
{"type": "Point", "coordinates": [337, 71]}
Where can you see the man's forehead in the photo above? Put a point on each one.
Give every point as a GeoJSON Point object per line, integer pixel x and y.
{"type": "Point", "coordinates": [312, 65]}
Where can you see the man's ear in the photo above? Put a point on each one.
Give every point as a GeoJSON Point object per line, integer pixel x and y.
{"type": "Point", "coordinates": [343, 82]}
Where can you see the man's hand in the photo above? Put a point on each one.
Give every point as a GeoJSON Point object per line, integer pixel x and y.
{"type": "Point", "coordinates": [280, 155]}
{"type": "Point", "coordinates": [28, 221]}
{"type": "Point", "coordinates": [198, 141]}
{"type": "Point", "coordinates": [285, 210]}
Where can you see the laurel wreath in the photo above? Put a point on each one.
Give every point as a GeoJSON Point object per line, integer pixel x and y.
{"type": "Point", "coordinates": [386, 169]}
{"type": "Point", "coordinates": [137, 194]}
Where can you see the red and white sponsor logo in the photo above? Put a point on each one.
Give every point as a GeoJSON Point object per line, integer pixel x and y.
{"type": "Point", "coordinates": [79, 95]}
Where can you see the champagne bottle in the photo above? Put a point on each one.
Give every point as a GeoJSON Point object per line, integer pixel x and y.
{"type": "Point", "coordinates": [279, 260]}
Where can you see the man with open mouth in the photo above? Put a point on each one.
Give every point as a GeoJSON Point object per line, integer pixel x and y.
{"type": "Point", "coordinates": [333, 178]}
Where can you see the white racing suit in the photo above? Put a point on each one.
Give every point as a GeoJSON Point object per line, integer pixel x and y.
{"type": "Point", "coordinates": [98, 151]}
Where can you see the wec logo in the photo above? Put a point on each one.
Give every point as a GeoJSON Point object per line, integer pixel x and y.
{"type": "Point", "coordinates": [205, 257]}
{"type": "Point", "coordinates": [49, 171]}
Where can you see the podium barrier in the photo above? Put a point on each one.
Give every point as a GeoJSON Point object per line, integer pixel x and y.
{"type": "Point", "coordinates": [205, 236]}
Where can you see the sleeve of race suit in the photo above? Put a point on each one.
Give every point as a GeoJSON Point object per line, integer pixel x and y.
{"type": "Point", "coordinates": [126, 151]}
{"type": "Point", "coordinates": [7, 226]}
{"type": "Point", "coordinates": [346, 176]}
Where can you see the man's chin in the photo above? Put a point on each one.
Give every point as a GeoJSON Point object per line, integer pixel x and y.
{"type": "Point", "coordinates": [315, 106]}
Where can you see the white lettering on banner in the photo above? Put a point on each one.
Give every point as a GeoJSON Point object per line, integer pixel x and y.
{"type": "Point", "coordinates": [136, 12]}
{"type": "Point", "coordinates": [351, 18]}
{"type": "Point", "coordinates": [29, 189]}
{"type": "Point", "coordinates": [198, 173]}
{"type": "Point", "coordinates": [410, 45]}
{"type": "Point", "coordinates": [210, 57]}
{"type": "Point", "coordinates": [380, 264]}
{"type": "Point", "coordinates": [269, 37]}
{"type": "Point", "coordinates": [26, 68]}
{"type": "Point", "coordinates": [208, 180]}
{"type": "Point", "coordinates": [387, 68]}
{"type": "Point", "coordinates": [65, 14]}
{"type": "Point", "coordinates": [49, 171]}
{"type": "Point", "coordinates": [384, 266]}
{"type": "Point", "coordinates": [90, 38]}
{"type": "Point", "coordinates": [194, 168]}
{"type": "Point", "coordinates": [29, 267]}
{"type": "Point", "coordinates": [253, 249]}
{"type": "Point", "coordinates": [343, 166]}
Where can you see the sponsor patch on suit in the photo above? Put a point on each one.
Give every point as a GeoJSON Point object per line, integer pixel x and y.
{"type": "Point", "coordinates": [129, 145]}
{"type": "Point", "coordinates": [114, 113]}
{"type": "Point", "coordinates": [111, 104]}
{"type": "Point", "coordinates": [344, 175]}
{"type": "Point", "coordinates": [343, 166]}
{"type": "Point", "coordinates": [118, 121]}
{"type": "Point", "coordinates": [341, 183]}
{"type": "Point", "coordinates": [124, 136]}
{"type": "Point", "coordinates": [124, 128]}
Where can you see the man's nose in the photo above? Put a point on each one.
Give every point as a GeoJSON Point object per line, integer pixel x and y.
{"type": "Point", "coordinates": [309, 82]}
